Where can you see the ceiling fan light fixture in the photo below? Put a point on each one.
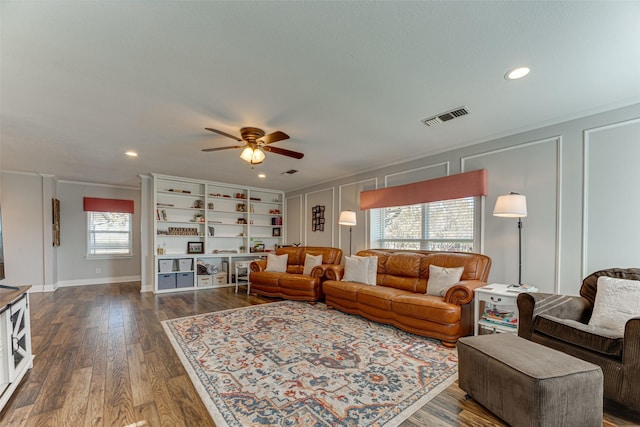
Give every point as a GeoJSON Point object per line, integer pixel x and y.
{"type": "Point", "coordinates": [252, 155]}
{"type": "Point", "coordinates": [247, 154]}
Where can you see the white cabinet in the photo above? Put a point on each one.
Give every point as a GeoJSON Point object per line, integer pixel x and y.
{"type": "Point", "coordinates": [15, 341]}
{"type": "Point", "coordinates": [212, 222]}
{"type": "Point", "coordinates": [496, 308]}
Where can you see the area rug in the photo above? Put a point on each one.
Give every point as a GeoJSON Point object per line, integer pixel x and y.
{"type": "Point", "coordinates": [295, 364]}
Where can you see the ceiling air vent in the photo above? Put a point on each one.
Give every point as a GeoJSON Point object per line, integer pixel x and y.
{"type": "Point", "coordinates": [445, 117]}
{"type": "Point", "coordinates": [289, 172]}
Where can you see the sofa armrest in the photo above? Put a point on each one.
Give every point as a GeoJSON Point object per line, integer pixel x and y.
{"type": "Point", "coordinates": [258, 265]}
{"type": "Point", "coordinates": [532, 304]}
{"type": "Point", "coordinates": [319, 270]}
{"type": "Point", "coordinates": [631, 363]}
{"type": "Point", "coordinates": [334, 272]}
{"type": "Point", "coordinates": [462, 292]}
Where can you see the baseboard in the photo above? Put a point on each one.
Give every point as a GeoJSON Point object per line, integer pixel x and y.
{"type": "Point", "coordinates": [146, 288]}
{"type": "Point", "coordinates": [97, 281]}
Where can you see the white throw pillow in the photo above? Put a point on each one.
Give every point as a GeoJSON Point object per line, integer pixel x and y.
{"type": "Point", "coordinates": [617, 301]}
{"type": "Point", "coordinates": [441, 279]}
{"type": "Point", "coordinates": [356, 269]}
{"type": "Point", "coordinates": [372, 270]}
{"type": "Point", "coordinates": [277, 263]}
{"type": "Point", "coordinates": [311, 261]}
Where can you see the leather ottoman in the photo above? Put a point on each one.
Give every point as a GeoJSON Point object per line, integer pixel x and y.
{"type": "Point", "coordinates": [527, 384]}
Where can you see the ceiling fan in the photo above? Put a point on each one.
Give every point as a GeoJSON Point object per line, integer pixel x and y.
{"type": "Point", "coordinates": [255, 144]}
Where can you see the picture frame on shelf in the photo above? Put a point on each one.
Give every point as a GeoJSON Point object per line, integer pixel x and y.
{"type": "Point", "coordinates": [195, 248]}
{"type": "Point", "coordinates": [275, 232]}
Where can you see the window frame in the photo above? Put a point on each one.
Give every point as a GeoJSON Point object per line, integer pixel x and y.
{"type": "Point", "coordinates": [375, 230]}
{"type": "Point", "coordinates": [90, 232]}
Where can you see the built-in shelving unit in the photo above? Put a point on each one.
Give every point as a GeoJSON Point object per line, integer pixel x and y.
{"type": "Point", "coordinates": [213, 224]}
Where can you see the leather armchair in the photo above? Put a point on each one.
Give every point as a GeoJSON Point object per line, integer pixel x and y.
{"type": "Point", "coordinates": [561, 322]}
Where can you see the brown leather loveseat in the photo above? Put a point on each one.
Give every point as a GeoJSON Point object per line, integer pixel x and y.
{"type": "Point", "coordinates": [292, 284]}
{"type": "Point", "coordinates": [399, 297]}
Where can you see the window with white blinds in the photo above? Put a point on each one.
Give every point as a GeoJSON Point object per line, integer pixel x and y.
{"type": "Point", "coordinates": [108, 234]}
{"type": "Point", "coordinates": [447, 225]}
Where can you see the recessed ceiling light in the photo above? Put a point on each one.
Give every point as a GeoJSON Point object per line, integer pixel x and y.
{"type": "Point", "coordinates": [261, 175]}
{"type": "Point", "coordinates": [517, 73]}
{"type": "Point", "coordinates": [131, 154]}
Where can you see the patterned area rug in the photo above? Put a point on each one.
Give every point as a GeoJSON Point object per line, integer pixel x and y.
{"type": "Point", "coordinates": [295, 364]}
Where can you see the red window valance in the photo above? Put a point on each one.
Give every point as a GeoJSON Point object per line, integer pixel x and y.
{"type": "Point", "coordinates": [93, 204]}
{"type": "Point", "coordinates": [467, 184]}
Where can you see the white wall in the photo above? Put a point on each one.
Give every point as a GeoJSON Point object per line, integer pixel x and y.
{"type": "Point", "coordinates": [22, 229]}
{"type": "Point", "coordinates": [579, 178]}
{"type": "Point", "coordinates": [73, 266]}
{"type": "Point", "coordinates": [30, 257]}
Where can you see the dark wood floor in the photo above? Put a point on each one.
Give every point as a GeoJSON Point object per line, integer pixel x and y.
{"type": "Point", "coordinates": [102, 359]}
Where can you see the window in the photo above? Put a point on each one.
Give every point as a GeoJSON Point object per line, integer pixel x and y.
{"type": "Point", "coordinates": [447, 225]}
{"type": "Point", "coordinates": [108, 234]}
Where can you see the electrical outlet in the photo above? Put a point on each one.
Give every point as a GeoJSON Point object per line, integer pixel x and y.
{"type": "Point", "coordinates": [97, 270]}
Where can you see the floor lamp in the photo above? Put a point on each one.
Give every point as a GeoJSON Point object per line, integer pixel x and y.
{"type": "Point", "coordinates": [348, 218]}
{"type": "Point", "coordinates": [513, 205]}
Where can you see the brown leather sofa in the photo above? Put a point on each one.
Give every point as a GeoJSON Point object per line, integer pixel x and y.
{"type": "Point", "coordinates": [293, 284]}
{"type": "Point", "coordinates": [400, 298]}
{"type": "Point", "coordinates": [562, 323]}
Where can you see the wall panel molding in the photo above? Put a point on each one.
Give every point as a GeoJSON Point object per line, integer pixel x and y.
{"type": "Point", "coordinates": [589, 145]}
{"type": "Point", "coordinates": [525, 181]}
{"type": "Point", "coordinates": [422, 168]}
{"type": "Point", "coordinates": [307, 212]}
{"type": "Point", "coordinates": [356, 206]}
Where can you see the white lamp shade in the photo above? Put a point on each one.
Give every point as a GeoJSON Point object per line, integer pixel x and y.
{"type": "Point", "coordinates": [347, 218]}
{"type": "Point", "coordinates": [511, 206]}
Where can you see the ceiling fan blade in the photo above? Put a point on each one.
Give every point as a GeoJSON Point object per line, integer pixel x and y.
{"type": "Point", "coordinates": [284, 152]}
{"type": "Point", "coordinates": [228, 135]}
{"type": "Point", "coordinates": [222, 148]}
{"type": "Point", "coordinates": [274, 137]}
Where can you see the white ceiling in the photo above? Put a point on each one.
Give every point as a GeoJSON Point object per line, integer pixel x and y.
{"type": "Point", "coordinates": [83, 81]}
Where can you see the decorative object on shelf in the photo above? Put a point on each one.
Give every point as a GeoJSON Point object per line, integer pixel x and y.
{"type": "Point", "coordinates": [274, 211]}
{"type": "Point", "coordinates": [241, 196]}
{"type": "Point", "coordinates": [348, 218]}
{"type": "Point", "coordinates": [242, 221]}
{"type": "Point", "coordinates": [317, 218]}
{"type": "Point", "coordinates": [241, 207]}
{"type": "Point", "coordinates": [198, 217]}
{"type": "Point", "coordinates": [255, 144]}
{"type": "Point", "coordinates": [174, 190]}
{"type": "Point", "coordinates": [197, 204]}
{"type": "Point", "coordinates": [210, 205]}
{"type": "Point", "coordinates": [211, 231]}
{"type": "Point", "coordinates": [276, 221]}
{"type": "Point", "coordinates": [275, 232]}
{"type": "Point", "coordinates": [195, 248]}
{"type": "Point", "coordinates": [182, 231]}
{"type": "Point", "coordinates": [513, 205]}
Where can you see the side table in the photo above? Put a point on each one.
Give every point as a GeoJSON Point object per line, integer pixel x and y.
{"type": "Point", "coordinates": [500, 313]}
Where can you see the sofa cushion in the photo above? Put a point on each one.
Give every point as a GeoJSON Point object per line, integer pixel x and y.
{"type": "Point", "coordinates": [311, 261]}
{"type": "Point", "coordinates": [342, 290]}
{"type": "Point", "coordinates": [277, 263]}
{"type": "Point", "coordinates": [601, 340]}
{"type": "Point", "coordinates": [297, 281]}
{"type": "Point", "coordinates": [426, 307]}
{"type": "Point", "coordinates": [617, 301]}
{"type": "Point", "coordinates": [441, 279]}
{"type": "Point", "coordinates": [378, 296]}
{"type": "Point", "coordinates": [266, 278]}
